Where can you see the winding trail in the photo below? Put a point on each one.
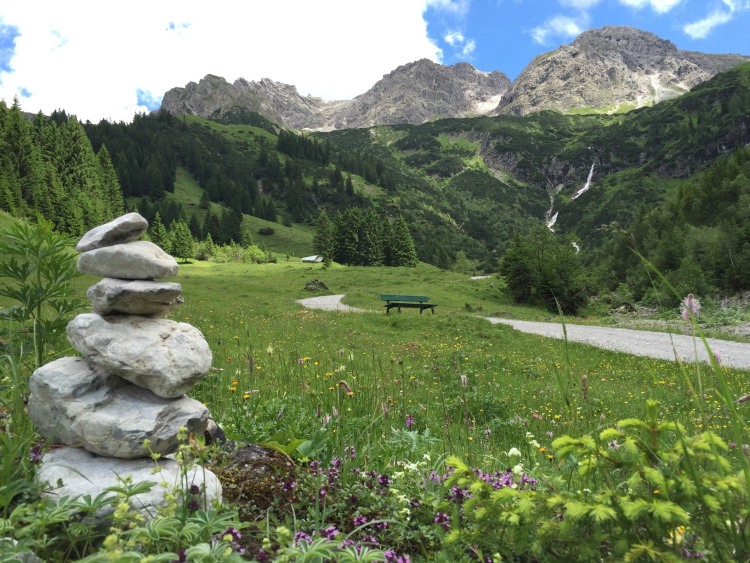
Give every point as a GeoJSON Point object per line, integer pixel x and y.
{"type": "Point", "coordinates": [660, 345]}
{"type": "Point", "coordinates": [329, 303]}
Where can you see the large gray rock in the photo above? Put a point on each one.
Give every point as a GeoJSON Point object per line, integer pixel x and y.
{"type": "Point", "coordinates": [162, 355]}
{"type": "Point", "coordinates": [123, 229]}
{"type": "Point", "coordinates": [83, 473]}
{"type": "Point", "coordinates": [74, 403]}
{"type": "Point", "coordinates": [137, 260]}
{"type": "Point", "coordinates": [134, 297]}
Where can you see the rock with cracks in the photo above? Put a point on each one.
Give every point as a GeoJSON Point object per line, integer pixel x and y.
{"type": "Point", "coordinates": [164, 356]}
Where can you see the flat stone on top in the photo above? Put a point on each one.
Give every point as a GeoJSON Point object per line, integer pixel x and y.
{"type": "Point", "coordinates": [137, 260]}
{"type": "Point", "coordinates": [123, 229]}
{"type": "Point", "coordinates": [134, 297]}
{"type": "Point", "coordinates": [161, 355]}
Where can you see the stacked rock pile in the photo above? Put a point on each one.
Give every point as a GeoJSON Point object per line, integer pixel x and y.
{"type": "Point", "coordinates": [124, 399]}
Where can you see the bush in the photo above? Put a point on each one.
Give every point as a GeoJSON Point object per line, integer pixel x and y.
{"type": "Point", "coordinates": [266, 231]}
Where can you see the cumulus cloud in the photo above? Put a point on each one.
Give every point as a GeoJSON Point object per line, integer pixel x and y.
{"type": "Point", "coordinates": [658, 6]}
{"type": "Point", "coordinates": [454, 38]}
{"type": "Point", "coordinates": [122, 57]}
{"type": "Point", "coordinates": [703, 27]}
{"type": "Point", "coordinates": [556, 27]}
{"type": "Point", "coordinates": [580, 4]}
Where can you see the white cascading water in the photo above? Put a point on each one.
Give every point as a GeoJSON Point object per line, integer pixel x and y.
{"type": "Point", "coordinates": [587, 185]}
{"type": "Point", "coordinates": [551, 222]}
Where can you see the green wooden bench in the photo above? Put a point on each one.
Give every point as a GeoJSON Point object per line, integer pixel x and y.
{"type": "Point", "coordinates": [420, 302]}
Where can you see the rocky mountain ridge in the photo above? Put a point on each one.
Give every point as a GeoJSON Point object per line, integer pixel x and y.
{"type": "Point", "coordinates": [608, 69]}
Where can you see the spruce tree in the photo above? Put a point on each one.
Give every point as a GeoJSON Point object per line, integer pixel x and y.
{"type": "Point", "coordinates": [183, 245]}
{"type": "Point", "coordinates": [158, 233]}
{"type": "Point", "coordinates": [324, 239]}
{"type": "Point", "coordinates": [403, 252]}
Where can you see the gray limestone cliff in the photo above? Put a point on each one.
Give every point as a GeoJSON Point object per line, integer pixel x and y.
{"type": "Point", "coordinates": [610, 69]}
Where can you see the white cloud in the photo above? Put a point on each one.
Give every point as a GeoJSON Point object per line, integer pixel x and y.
{"type": "Point", "coordinates": [469, 48]}
{"type": "Point", "coordinates": [580, 4]}
{"type": "Point", "coordinates": [659, 6]}
{"type": "Point", "coordinates": [558, 26]}
{"type": "Point", "coordinates": [95, 66]}
{"type": "Point", "coordinates": [454, 38]}
{"type": "Point", "coordinates": [702, 28]}
{"type": "Point", "coordinates": [456, 7]}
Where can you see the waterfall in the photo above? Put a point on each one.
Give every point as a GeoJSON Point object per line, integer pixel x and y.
{"type": "Point", "coordinates": [587, 185]}
{"type": "Point", "coordinates": [551, 222]}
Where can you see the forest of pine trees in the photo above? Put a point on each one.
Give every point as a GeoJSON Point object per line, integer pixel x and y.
{"type": "Point", "coordinates": [48, 166]}
{"type": "Point", "coordinates": [360, 237]}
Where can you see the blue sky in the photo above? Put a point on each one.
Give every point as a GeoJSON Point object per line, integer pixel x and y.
{"type": "Point", "coordinates": [122, 56]}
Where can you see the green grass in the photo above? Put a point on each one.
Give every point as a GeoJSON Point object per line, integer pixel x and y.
{"type": "Point", "coordinates": [271, 355]}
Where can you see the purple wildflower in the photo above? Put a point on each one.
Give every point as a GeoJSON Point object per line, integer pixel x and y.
{"type": "Point", "coordinates": [193, 505]}
{"type": "Point", "coordinates": [195, 490]}
{"type": "Point", "coordinates": [35, 455]}
{"type": "Point", "coordinates": [690, 307]}
{"type": "Point", "coordinates": [409, 421]}
{"type": "Point", "coordinates": [443, 520]}
{"type": "Point", "coordinates": [384, 480]}
{"type": "Point", "coordinates": [329, 533]}
{"type": "Point", "coordinates": [360, 520]}
{"type": "Point", "coordinates": [300, 537]}
{"type": "Point", "coordinates": [288, 487]}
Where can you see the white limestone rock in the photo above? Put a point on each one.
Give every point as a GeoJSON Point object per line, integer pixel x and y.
{"type": "Point", "coordinates": [123, 229]}
{"type": "Point", "coordinates": [83, 473]}
{"type": "Point", "coordinates": [134, 297]}
{"type": "Point", "coordinates": [161, 355]}
{"type": "Point", "coordinates": [75, 403]}
{"type": "Point", "coordinates": [137, 260]}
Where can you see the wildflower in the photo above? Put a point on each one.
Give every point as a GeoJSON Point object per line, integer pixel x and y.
{"type": "Point", "coordinates": [289, 486]}
{"type": "Point", "coordinates": [690, 307]}
{"type": "Point", "coordinates": [513, 452]}
{"type": "Point", "coordinates": [269, 350]}
{"type": "Point", "coordinates": [443, 520]}
{"type": "Point", "coordinates": [329, 533]}
{"type": "Point", "coordinates": [360, 520]}
{"type": "Point", "coordinates": [193, 505]}
{"type": "Point", "coordinates": [409, 421]}
{"type": "Point", "coordinates": [35, 455]}
{"type": "Point", "coordinates": [300, 537]}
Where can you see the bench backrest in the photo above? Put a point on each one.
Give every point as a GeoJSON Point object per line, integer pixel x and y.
{"type": "Point", "coordinates": [405, 298]}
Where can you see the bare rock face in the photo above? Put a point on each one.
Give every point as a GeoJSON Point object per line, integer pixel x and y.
{"type": "Point", "coordinates": [422, 91]}
{"type": "Point", "coordinates": [164, 356]}
{"type": "Point", "coordinates": [413, 93]}
{"type": "Point", "coordinates": [75, 403]}
{"type": "Point", "coordinates": [610, 69]}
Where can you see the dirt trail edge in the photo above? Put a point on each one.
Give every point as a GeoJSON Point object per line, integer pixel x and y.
{"type": "Point", "coordinates": [640, 342]}
{"type": "Point", "coordinates": [328, 303]}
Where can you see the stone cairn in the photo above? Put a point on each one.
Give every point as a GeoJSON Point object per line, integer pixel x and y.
{"type": "Point", "coordinates": [129, 386]}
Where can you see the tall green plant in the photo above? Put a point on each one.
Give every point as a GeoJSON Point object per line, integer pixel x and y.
{"type": "Point", "coordinates": [38, 268]}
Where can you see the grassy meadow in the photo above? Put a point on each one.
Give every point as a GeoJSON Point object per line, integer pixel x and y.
{"type": "Point", "coordinates": [474, 389]}
{"type": "Point", "coordinates": [411, 437]}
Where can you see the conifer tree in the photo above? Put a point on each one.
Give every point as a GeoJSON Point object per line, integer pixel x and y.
{"type": "Point", "coordinates": [403, 252]}
{"type": "Point", "coordinates": [324, 239]}
{"type": "Point", "coordinates": [110, 184]}
{"type": "Point", "coordinates": [158, 233]}
{"type": "Point", "coordinates": [183, 245]}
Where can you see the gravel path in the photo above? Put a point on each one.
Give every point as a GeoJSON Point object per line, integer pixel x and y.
{"type": "Point", "coordinates": [640, 342]}
{"type": "Point", "coordinates": [328, 303]}
{"type": "Point", "coordinates": [659, 345]}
